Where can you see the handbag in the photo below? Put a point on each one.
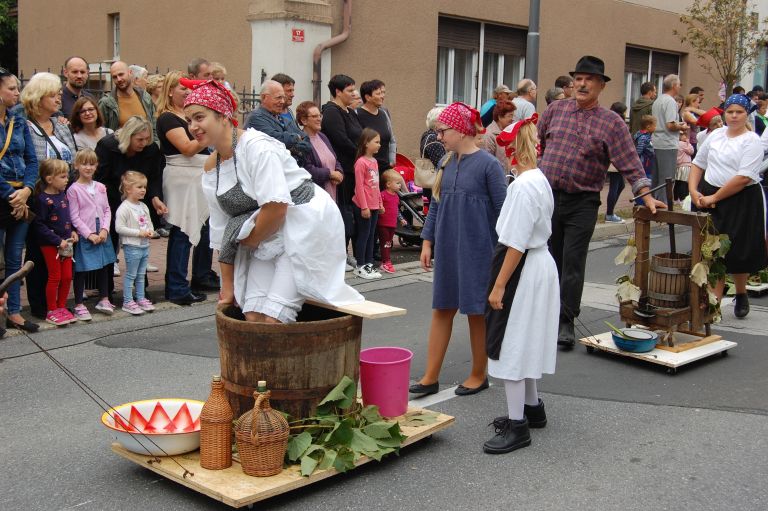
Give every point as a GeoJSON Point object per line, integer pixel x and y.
{"type": "Point", "coordinates": [425, 172]}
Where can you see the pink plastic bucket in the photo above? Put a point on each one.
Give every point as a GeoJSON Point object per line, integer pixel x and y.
{"type": "Point", "coordinates": [384, 376]}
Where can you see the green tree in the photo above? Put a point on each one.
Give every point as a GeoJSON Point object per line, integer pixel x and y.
{"type": "Point", "coordinates": [8, 37]}
{"type": "Point", "coordinates": [726, 37]}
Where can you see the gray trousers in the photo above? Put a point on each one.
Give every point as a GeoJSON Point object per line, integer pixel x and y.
{"type": "Point", "coordinates": [666, 164]}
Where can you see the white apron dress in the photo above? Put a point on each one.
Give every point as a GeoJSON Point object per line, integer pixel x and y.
{"type": "Point", "coordinates": [182, 193]}
{"type": "Point", "coordinates": [311, 238]}
{"type": "Point", "coordinates": [529, 348]}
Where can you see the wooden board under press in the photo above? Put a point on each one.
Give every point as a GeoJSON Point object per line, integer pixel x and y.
{"type": "Point", "coordinates": [366, 309]}
{"type": "Point", "coordinates": [657, 356]}
{"type": "Point", "coordinates": [234, 488]}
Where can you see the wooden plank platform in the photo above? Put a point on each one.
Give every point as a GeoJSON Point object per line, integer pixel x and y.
{"type": "Point", "coordinates": [665, 358]}
{"type": "Point", "coordinates": [366, 309]}
{"type": "Point", "coordinates": [236, 489]}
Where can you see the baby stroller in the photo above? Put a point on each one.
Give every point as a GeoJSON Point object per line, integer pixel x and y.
{"type": "Point", "coordinates": [411, 205]}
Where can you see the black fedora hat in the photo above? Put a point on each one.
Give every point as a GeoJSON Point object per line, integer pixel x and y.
{"type": "Point", "coordinates": [591, 65]}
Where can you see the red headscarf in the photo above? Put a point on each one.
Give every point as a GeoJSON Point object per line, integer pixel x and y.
{"type": "Point", "coordinates": [509, 134]}
{"type": "Point", "coordinates": [463, 118]}
{"type": "Point", "coordinates": [211, 94]}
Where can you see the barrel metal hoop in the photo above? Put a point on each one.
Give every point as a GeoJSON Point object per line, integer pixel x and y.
{"type": "Point", "coordinates": [278, 394]}
{"type": "Point", "coordinates": [670, 271]}
{"type": "Point", "coordinates": [665, 297]}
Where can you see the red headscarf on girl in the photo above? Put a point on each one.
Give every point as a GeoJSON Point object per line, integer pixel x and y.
{"type": "Point", "coordinates": [463, 118]}
{"type": "Point", "coordinates": [509, 134]}
{"type": "Point", "coordinates": [211, 94]}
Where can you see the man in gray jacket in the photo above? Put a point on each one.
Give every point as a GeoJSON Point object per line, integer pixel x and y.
{"type": "Point", "coordinates": [268, 119]}
{"type": "Point", "coordinates": [125, 100]}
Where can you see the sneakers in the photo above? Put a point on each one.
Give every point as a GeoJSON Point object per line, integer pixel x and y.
{"type": "Point", "coordinates": [614, 219]}
{"type": "Point", "coordinates": [351, 263]}
{"type": "Point", "coordinates": [133, 308]}
{"type": "Point", "coordinates": [59, 317]}
{"type": "Point", "coordinates": [367, 272]}
{"type": "Point", "coordinates": [152, 268]}
{"type": "Point", "coordinates": [145, 305]}
{"type": "Point", "coordinates": [372, 271]}
{"type": "Point", "coordinates": [105, 306]}
{"type": "Point", "coordinates": [82, 313]}
{"type": "Point", "coordinates": [387, 267]}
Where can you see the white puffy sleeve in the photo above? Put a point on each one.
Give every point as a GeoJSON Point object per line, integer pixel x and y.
{"type": "Point", "coordinates": [517, 218]}
{"type": "Point", "coordinates": [218, 219]}
{"type": "Point", "coordinates": [262, 175]}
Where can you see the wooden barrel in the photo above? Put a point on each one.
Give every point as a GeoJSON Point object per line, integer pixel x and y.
{"type": "Point", "coordinates": [669, 280]}
{"type": "Point", "coordinates": [301, 361]}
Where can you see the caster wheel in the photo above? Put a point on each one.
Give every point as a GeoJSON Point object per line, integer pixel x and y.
{"type": "Point", "coordinates": [724, 354]}
{"type": "Point", "coordinates": [590, 349]}
{"type": "Point", "coordinates": [671, 371]}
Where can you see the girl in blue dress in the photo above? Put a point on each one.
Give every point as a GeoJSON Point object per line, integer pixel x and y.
{"type": "Point", "coordinates": [459, 232]}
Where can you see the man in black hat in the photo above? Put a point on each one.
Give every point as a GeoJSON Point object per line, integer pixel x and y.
{"type": "Point", "coordinates": [579, 140]}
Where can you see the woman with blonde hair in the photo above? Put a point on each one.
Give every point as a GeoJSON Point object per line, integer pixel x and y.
{"type": "Point", "coordinates": [430, 147]}
{"type": "Point", "coordinates": [41, 99]}
{"type": "Point", "coordinates": [183, 193]}
{"type": "Point", "coordinates": [466, 200]}
{"type": "Point", "coordinates": [131, 148]}
{"type": "Point", "coordinates": [154, 86]}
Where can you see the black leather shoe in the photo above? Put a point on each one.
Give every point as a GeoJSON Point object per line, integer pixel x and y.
{"type": "Point", "coordinates": [424, 390]}
{"type": "Point", "coordinates": [741, 307]}
{"type": "Point", "coordinates": [189, 299]}
{"type": "Point", "coordinates": [461, 390]}
{"type": "Point", "coordinates": [566, 336]}
{"type": "Point", "coordinates": [537, 417]}
{"type": "Point", "coordinates": [206, 284]}
{"type": "Point", "coordinates": [510, 435]}
{"type": "Point", "coordinates": [27, 326]}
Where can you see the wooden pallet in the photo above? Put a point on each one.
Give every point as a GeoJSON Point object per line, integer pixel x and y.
{"type": "Point", "coordinates": [236, 489]}
{"type": "Point", "coordinates": [669, 359]}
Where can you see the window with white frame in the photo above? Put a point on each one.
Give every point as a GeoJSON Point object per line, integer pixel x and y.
{"type": "Point", "coordinates": [114, 21]}
{"type": "Point", "coordinates": [473, 58]}
{"type": "Point", "coordinates": [641, 65]}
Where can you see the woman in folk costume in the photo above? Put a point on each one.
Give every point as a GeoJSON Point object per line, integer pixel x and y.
{"type": "Point", "coordinates": [524, 295]}
{"type": "Point", "coordinates": [280, 237]}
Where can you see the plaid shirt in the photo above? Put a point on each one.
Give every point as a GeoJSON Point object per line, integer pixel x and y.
{"type": "Point", "coordinates": [578, 146]}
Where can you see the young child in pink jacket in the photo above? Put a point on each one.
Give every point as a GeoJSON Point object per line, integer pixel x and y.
{"type": "Point", "coordinates": [684, 155]}
{"type": "Point", "coordinates": [367, 202]}
{"type": "Point", "coordinates": [90, 214]}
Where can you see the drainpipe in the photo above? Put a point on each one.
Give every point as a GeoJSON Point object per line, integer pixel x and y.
{"type": "Point", "coordinates": [333, 41]}
{"type": "Point", "coordinates": [532, 42]}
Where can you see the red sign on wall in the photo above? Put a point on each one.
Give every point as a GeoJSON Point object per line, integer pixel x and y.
{"type": "Point", "coordinates": [297, 35]}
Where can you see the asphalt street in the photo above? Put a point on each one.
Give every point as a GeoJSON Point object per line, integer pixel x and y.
{"type": "Point", "coordinates": [622, 434]}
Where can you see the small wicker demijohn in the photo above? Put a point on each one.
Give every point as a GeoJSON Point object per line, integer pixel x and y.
{"type": "Point", "coordinates": [216, 429]}
{"type": "Point", "coordinates": [262, 437]}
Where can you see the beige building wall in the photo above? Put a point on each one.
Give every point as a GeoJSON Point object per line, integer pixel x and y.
{"type": "Point", "coordinates": [398, 44]}
{"type": "Point", "coordinates": [162, 33]}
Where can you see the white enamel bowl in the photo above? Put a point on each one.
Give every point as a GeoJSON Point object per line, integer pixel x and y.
{"type": "Point", "coordinates": [168, 427]}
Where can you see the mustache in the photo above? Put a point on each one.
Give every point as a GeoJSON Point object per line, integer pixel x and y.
{"type": "Point", "coordinates": [583, 90]}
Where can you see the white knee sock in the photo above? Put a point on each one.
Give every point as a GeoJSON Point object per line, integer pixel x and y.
{"type": "Point", "coordinates": [531, 394]}
{"type": "Point", "coordinates": [515, 390]}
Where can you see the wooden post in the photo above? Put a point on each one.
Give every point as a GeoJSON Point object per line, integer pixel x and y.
{"type": "Point", "coordinates": [642, 261]}
{"type": "Point", "coordinates": [695, 296]}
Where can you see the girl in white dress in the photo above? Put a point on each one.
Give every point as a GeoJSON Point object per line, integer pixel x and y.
{"type": "Point", "coordinates": [282, 235]}
{"type": "Point", "coordinates": [524, 294]}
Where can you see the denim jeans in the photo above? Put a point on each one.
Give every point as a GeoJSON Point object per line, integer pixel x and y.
{"type": "Point", "coordinates": [12, 240]}
{"type": "Point", "coordinates": [365, 236]}
{"type": "Point", "coordinates": [136, 259]}
{"type": "Point", "coordinates": [177, 260]}
{"type": "Point", "coordinates": [616, 186]}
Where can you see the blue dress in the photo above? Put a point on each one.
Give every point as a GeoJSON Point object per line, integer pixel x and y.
{"type": "Point", "coordinates": [462, 229]}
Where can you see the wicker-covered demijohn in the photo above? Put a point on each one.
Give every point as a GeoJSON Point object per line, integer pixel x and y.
{"type": "Point", "coordinates": [262, 438]}
{"type": "Point", "coordinates": [216, 429]}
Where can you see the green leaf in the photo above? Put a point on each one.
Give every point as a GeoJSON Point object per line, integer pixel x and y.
{"type": "Point", "coordinates": [725, 245]}
{"type": "Point", "coordinates": [627, 291]}
{"type": "Point", "coordinates": [341, 396]}
{"type": "Point", "coordinates": [343, 434]}
{"type": "Point", "coordinates": [378, 430]}
{"type": "Point", "coordinates": [345, 460]}
{"type": "Point", "coordinates": [419, 418]}
{"type": "Point", "coordinates": [308, 465]}
{"type": "Point", "coordinates": [298, 444]}
{"type": "Point", "coordinates": [362, 442]}
{"type": "Point", "coordinates": [328, 459]}
{"type": "Point", "coordinates": [699, 273]}
{"type": "Point", "coordinates": [626, 256]}
{"type": "Point", "coordinates": [371, 414]}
